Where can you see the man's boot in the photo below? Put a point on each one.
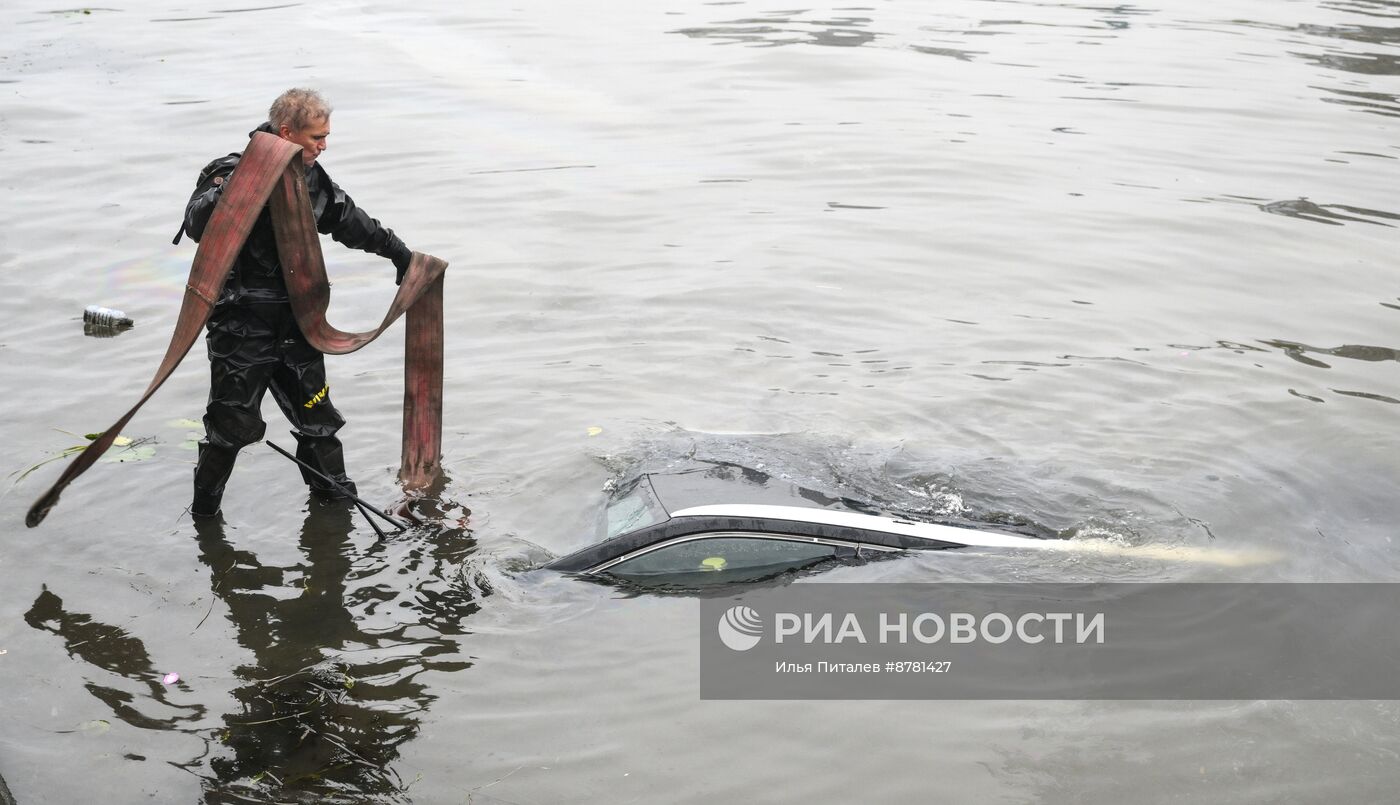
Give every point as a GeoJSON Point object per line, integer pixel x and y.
{"type": "Point", "coordinates": [326, 455]}
{"type": "Point", "coordinates": [210, 474]}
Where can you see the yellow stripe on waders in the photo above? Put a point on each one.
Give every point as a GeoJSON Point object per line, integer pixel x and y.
{"type": "Point", "coordinates": [318, 396]}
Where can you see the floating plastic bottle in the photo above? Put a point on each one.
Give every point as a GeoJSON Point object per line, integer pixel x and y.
{"type": "Point", "coordinates": [99, 316]}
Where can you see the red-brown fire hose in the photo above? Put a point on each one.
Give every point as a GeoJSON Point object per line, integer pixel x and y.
{"type": "Point", "coordinates": [270, 171]}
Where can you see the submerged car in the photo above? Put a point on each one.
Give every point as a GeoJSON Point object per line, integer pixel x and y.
{"type": "Point", "coordinates": [721, 523]}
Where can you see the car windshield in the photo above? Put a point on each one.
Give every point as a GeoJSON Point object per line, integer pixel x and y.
{"type": "Point", "coordinates": [634, 506]}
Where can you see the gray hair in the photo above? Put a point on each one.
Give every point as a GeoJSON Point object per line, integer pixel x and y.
{"type": "Point", "coordinates": [297, 109]}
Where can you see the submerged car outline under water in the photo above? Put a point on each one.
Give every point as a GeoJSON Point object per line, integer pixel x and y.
{"type": "Point", "coordinates": [720, 523]}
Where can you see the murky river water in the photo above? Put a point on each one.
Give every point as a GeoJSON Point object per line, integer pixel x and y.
{"type": "Point", "coordinates": [1122, 271]}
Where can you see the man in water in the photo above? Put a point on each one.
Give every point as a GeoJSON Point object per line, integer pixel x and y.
{"type": "Point", "coordinates": [253, 339]}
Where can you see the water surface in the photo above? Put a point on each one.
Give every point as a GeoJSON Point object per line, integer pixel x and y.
{"type": "Point", "coordinates": [1108, 271]}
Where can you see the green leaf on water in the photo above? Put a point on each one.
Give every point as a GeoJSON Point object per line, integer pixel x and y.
{"type": "Point", "coordinates": [132, 452]}
{"type": "Point", "coordinates": [94, 727]}
{"type": "Point", "coordinates": [191, 424]}
{"type": "Point", "coordinates": [120, 441]}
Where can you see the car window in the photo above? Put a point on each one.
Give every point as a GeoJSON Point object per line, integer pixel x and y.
{"type": "Point", "coordinates": [633, 508]}
{"type": "Point", "coordinates": [724, 556]}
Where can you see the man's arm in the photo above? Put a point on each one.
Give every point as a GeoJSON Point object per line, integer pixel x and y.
{"type": "Point", "coordinates": [212, 181]}
{"type": "Point", "coordinates": [352, 226]}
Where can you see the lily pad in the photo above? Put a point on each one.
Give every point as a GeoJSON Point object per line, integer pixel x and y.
{"type": "Point", "coordinates": [189, 424]}
{"type": "Point", "coordinates": [121, 455]}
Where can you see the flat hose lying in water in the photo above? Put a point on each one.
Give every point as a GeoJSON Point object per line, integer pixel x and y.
{"type": "Point", "coordinates": [270, 171]}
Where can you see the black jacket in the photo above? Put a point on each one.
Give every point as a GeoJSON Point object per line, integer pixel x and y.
{"type": "Point", "coordinates": [257, 273]}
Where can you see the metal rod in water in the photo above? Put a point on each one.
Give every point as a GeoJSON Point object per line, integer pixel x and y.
{"type": "Point", "coordinates": [395, 523]}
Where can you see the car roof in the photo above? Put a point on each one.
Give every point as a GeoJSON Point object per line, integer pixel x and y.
{"type": "Point", "coordinates": [712, 483]}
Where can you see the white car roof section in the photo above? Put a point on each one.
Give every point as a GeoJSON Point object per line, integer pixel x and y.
{"type": "Point", "coordinates": [868, 522]}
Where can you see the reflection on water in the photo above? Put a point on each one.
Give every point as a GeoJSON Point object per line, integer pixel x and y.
{"type": "Point", "coordinates": [1370, 63]}
{"type": "Point", "coordinates": [1367, 62]}
{"type": "Point", "coordinates": [337, 644]}
{"type": "Point", "coordinates": [960, 55]}
{"type": "Point", "coordinates": [132, 686]}
{"type": "Point", "coordinates": [1306, 210]}
{"type": "Point", "coordinates": [1376, 103]}
{"type": "Point", "coordinates": [331, 691]}
{"type": "Point", "coordinates": [1371, 8]}
{"type": "Point", "coordinates": [787, 28]}
{"type": "Point", "coordinates": [1118, 17]}
{"type": "Point", "coordinates": [1332, 56]}
{"type": "Point", "coordinates": [1356, 352]}
{"type": "Point", "coordinates": [1326, 213]}
{"type": "Point", "coordinates": [776, 28]}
